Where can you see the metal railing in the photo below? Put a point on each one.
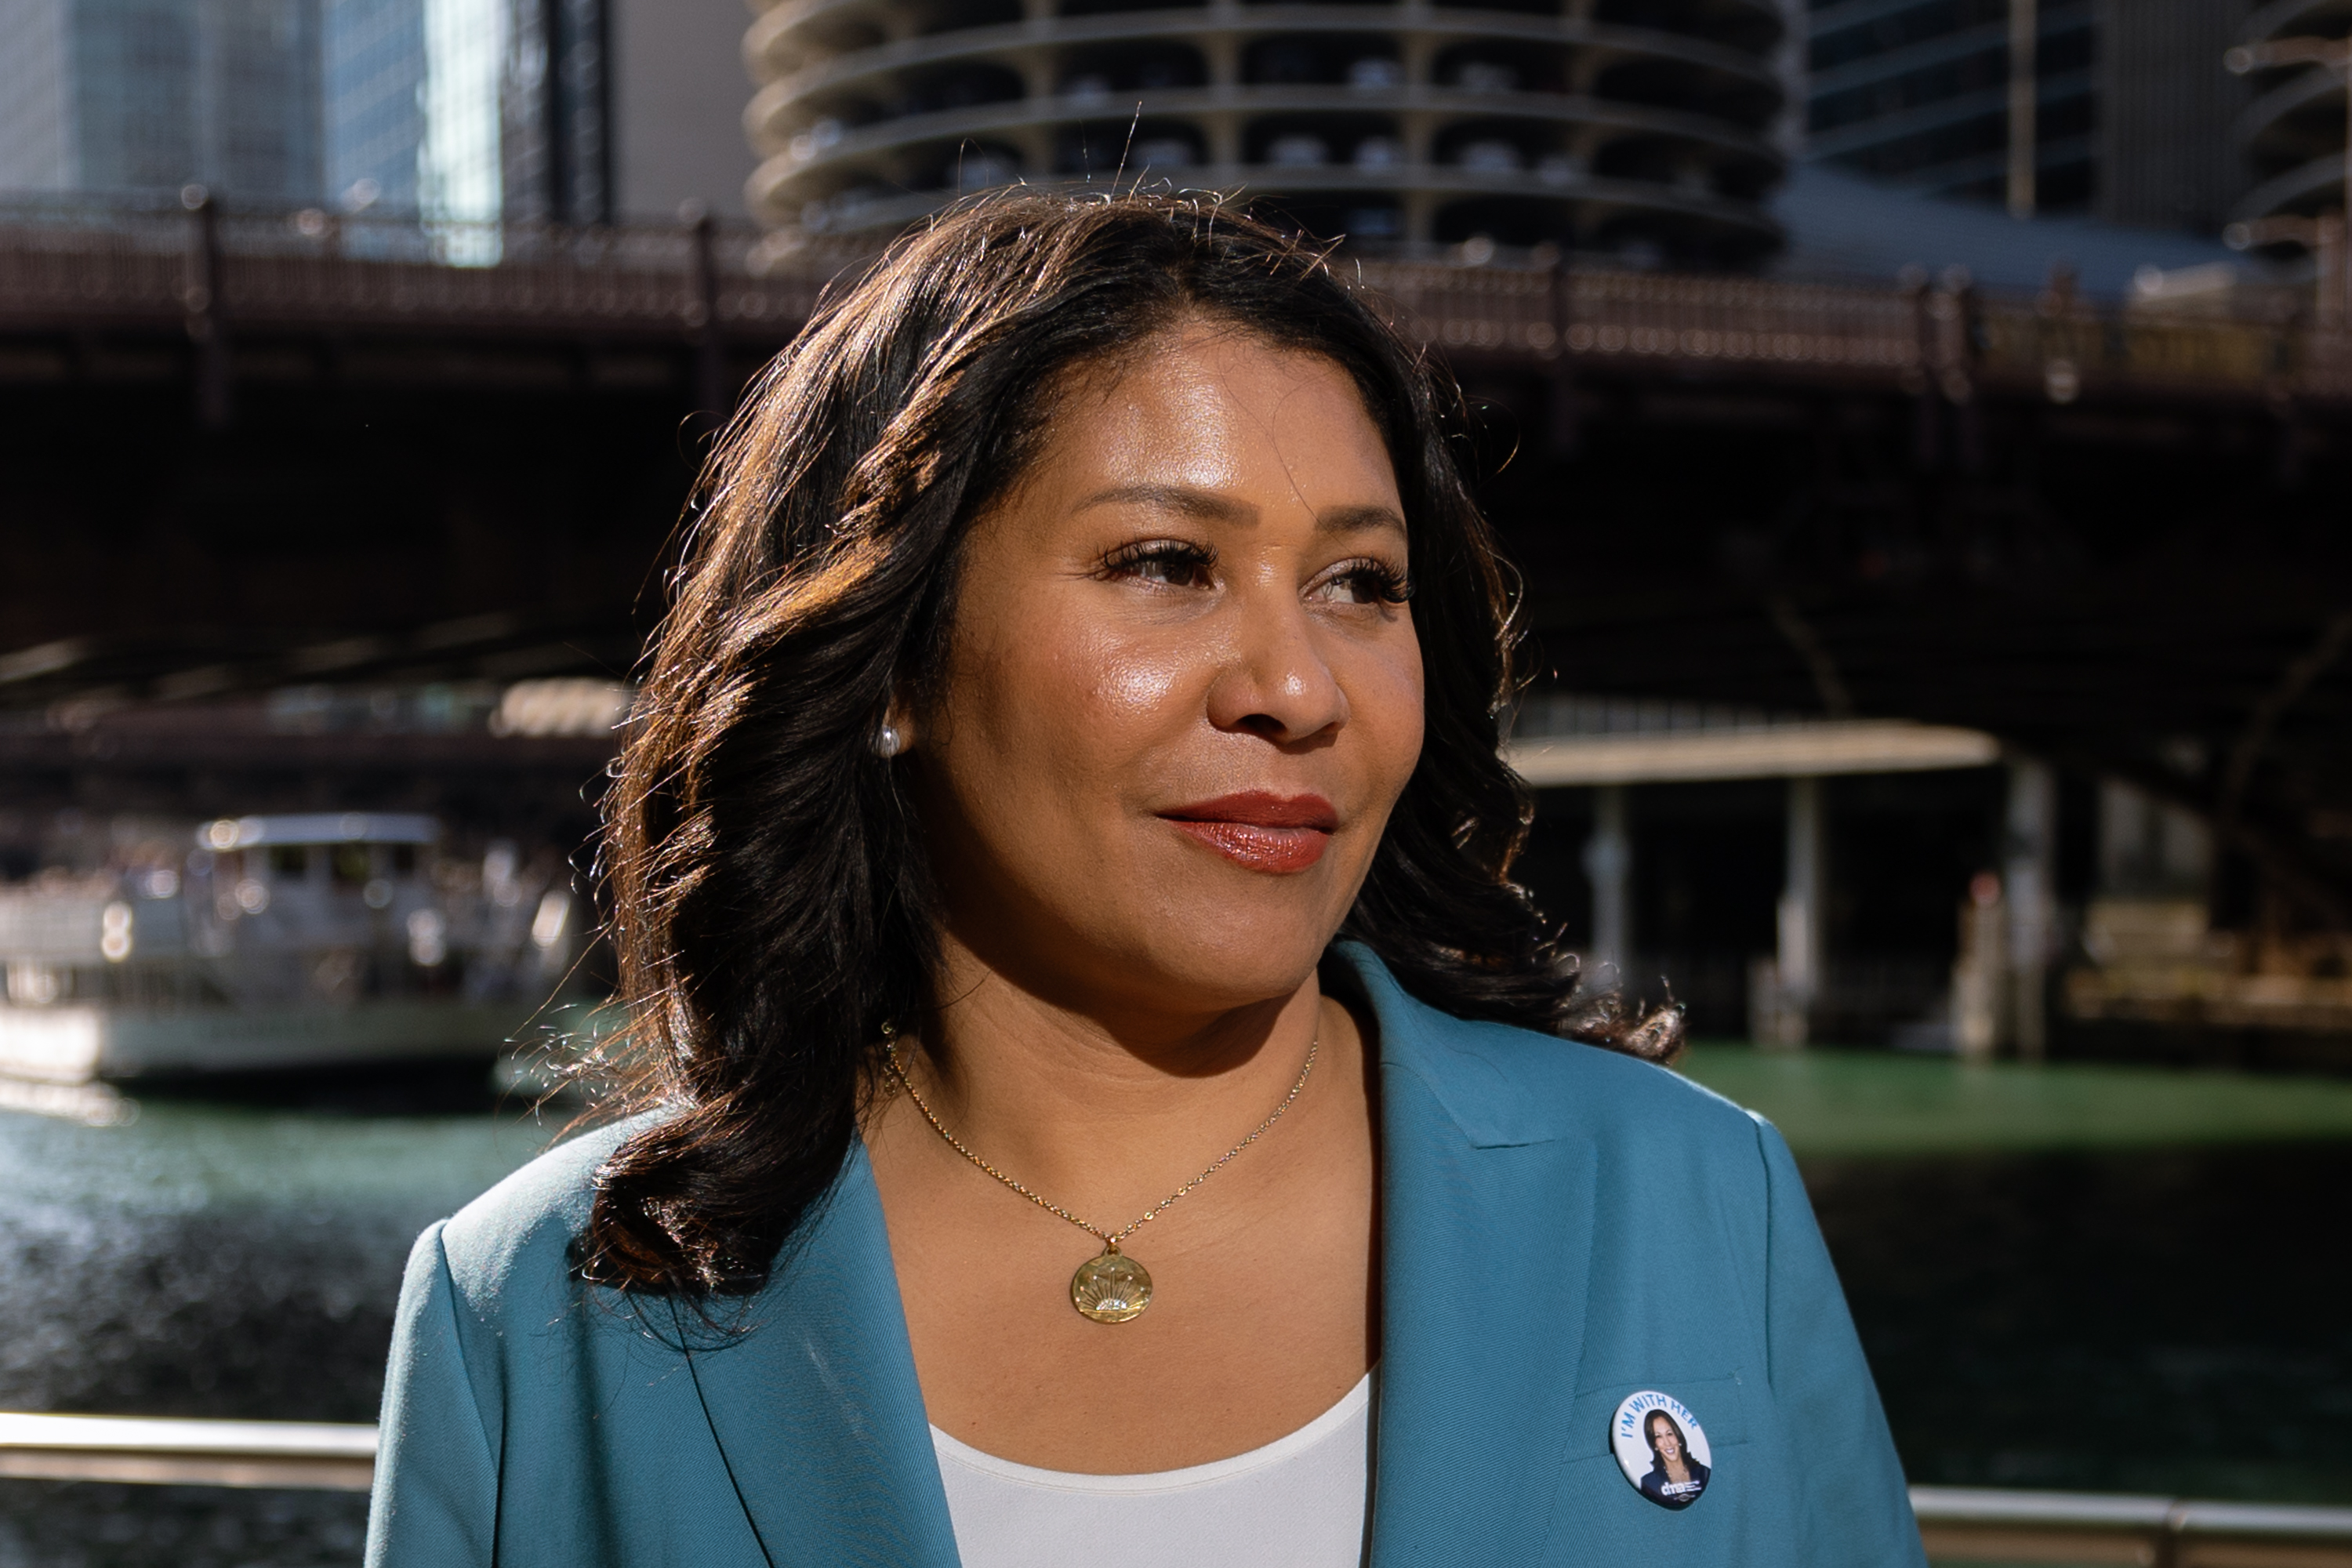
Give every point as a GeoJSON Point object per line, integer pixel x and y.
{"type": "Point", "coordinates": [164, 1451]}
{"type": "Point", "coordinates": [76, 268]}
{"type": "Point", "coordinates": [1952, 340]}
{"type": "Point", "coordinates": [1962, 1524]}
{"type": "Point", "coordinates": [72, 265]}
{"type": "Point", "coordinates": [1958, 1524]}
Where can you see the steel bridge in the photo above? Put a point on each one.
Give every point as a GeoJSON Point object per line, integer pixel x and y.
{"type": "Point", "coordinates": [355, 293]}
{"type": "Point", "coordinates": [250, 450]}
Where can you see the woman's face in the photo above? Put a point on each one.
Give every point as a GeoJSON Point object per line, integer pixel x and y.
{"type": "Point", "coordinates": [1663, 1439]}
{"type": "Point", "coordinates": [1182, 691]}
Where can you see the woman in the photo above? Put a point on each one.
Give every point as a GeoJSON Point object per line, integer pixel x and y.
{"type": "Point", "coordinates": [1060, 882]}
{"type": "Point", "coordinates": [1675, 1478]}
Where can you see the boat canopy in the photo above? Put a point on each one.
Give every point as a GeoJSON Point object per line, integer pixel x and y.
{"type": "Point", "coordinates": [318, 827]}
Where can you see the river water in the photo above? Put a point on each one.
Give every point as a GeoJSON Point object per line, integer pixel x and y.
{"type": "Point", "coordinates": [2161, 1319]}
{"type": "Point", "coordinates": [214, 1260]}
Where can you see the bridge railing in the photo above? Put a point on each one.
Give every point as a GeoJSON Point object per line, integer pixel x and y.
{"type": "Point", "coordinates": [62, 265]}
{"type": "Point", "coordinates": [1959, 1524]}
{"type": "Point", "coordinates": [1647, 315]}
{"type": "Point", "coordinates": [1954, 341]}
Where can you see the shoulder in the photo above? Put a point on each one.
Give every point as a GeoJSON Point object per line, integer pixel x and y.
{"type": "Point", "coordinates": [516, 1239]}
{"type": "Point", "coordinates": [1516, 1081]}
{"type": "Point", "coordinates": [1505, 1085]}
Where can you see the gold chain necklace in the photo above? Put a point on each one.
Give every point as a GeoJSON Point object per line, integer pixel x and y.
{"type": "Point", "coordinates": [1110, 1288]}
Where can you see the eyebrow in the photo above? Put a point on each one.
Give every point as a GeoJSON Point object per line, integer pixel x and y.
{"type": "Point", "coordinates": [1211, 507]}
{"type": "Point", "coordinates": [1358, 519]}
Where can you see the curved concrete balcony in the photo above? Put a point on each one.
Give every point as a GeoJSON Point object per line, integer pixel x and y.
{"type": "Point", "coordinates": [1550, 127]}
{"type": "Point", "coordinates": [2293, 132]}
{"type": "Point", "coordinates": [878, 71]}
{"type": "Point", "coordinates": [812, 155]}
{"type": "Point", "coordinates": [2283, 18]}
{"type": "Point", "coordinates": [2310, 187]}
{"type": "Point", "coordinates": [1598, 203]}
{"type": "Point", "coordinates": [2286, 121]}
{"type": "Point", "coordinates": [802, 32]}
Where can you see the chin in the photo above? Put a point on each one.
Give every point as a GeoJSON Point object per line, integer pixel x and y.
{"type": "Point", "coordinates": [1240, 973]}
{"type": "Point", "coordinates": [1233, 951]}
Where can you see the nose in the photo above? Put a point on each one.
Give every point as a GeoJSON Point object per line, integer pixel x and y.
{"type": "Point", "coordinates": [1275, 682]}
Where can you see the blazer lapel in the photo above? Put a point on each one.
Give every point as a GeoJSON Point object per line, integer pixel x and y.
{"type": "Point", "coordinates": [815, 1405]}
{"type": "Point", "coordinates": [1487, 1229]}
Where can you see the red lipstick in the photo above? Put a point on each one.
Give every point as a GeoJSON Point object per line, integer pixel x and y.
{"type": "Point", "coordinates": [1265, 832]}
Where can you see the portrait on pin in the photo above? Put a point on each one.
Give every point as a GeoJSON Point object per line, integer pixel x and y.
{"type": "Point", "coordinates": [1676, 1477]}
{"type": "Point", "coordinates": [1661, 1448]}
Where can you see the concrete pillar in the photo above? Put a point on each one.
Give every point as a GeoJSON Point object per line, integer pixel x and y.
{"type": "Point", "coordinates": [1789, 63]}
{"type": "Point", "coordinates": [1420, 215]}
{"type": "Point", "coordinates": [1037, 69]}
{"type": "Point", "coordinates": [1608, 867]}
{"type": "Point", "coordinates": [1224, 135]}
{"type": "Point", "coordinates": [1417, 54]}
{"type": "Point", "coordinates": [2024, 91]}
{"type": "Point", "coordinates": [2327, 249]}
{"type": "Point", "coordinates": [1035, 145]}
{"type": "Point", "coordinates": [2029, 876]}
{"type": "Point", "coordinates": [1797, 968]}
{"type": "Point", "coordinates": [1223, 52]}
{"type": "Point", "coordinates": [1980, 1011]}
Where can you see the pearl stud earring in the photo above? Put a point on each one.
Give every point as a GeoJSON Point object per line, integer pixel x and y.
{"type": "Point", "coordinates": [888, 741]}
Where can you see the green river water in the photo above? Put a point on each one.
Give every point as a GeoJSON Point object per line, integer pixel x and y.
{"type": "Point", "coordinates": [2083, 1277]}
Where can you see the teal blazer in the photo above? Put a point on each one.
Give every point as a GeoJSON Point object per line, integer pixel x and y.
{"type": "Point", "coordinates": [1562, 1227]}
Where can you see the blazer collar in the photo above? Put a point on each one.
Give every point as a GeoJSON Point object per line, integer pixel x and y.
{"type": "Point", "coordinates": [815, 1405]}
{"type": "Point", "coordinates": [1486, 1230]}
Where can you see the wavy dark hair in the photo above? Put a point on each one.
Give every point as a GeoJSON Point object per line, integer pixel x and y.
{"type": "Point", "coordinates": [771, 906]}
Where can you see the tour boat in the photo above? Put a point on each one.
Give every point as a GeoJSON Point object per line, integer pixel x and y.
{"type": "Point", "coordinates": [281, 942]}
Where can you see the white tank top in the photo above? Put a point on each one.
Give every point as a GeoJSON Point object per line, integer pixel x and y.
{"type": "Point", "coordinates": [1298, 1502]}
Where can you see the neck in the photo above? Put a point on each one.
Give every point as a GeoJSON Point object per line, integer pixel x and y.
{"type": "Point", "coordinates": [1106, 1109]}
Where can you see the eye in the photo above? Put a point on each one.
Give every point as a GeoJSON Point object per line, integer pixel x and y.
{"type": "Point", "coordinates": [1364, 581]}
{"type": "Point", "coordinates": [1171, 562]}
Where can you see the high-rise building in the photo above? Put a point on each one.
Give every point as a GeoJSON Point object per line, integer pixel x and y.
{"type": "Point", "coordinates": [470, 111]}
{"type": "Point", "coordinates": [2167, 109]}
{"type": "Point", "coordinates": [678, 108]}
{"type": "Point", "coordinates": [375, 106]}
{"type": "Point", "coordinates": [2120, 109]}
{"type": "Point", "coordinates": [477, 110]}
{"type": "Point", "coordinates": [1925, 93]}
{"type": "Point", "coordinates": [133, 95]}
{"type": "Point", "coordinates": [1628, 124]}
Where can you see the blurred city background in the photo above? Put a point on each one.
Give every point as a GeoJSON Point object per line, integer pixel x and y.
{"type": "Point", "coordinates": [1924, 429]}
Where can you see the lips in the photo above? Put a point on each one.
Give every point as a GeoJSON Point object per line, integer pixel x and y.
{"type": "Point", "coordinates": [1263, 831]}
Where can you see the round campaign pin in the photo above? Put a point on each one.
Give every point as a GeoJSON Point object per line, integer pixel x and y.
{"type": "Point", "coordinates": [1661, 1448]}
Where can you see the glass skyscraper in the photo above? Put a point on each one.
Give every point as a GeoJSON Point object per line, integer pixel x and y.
{"type": "Point", "coordinates": [133, 95]}
{"type": "Point", "coordinates": [462, 112]}
{"type": "Point", "coordinates": [374, 73]}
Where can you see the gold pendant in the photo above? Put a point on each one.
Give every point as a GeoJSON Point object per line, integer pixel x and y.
{"type": "Point", "coordinates": [1111, 1288]}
